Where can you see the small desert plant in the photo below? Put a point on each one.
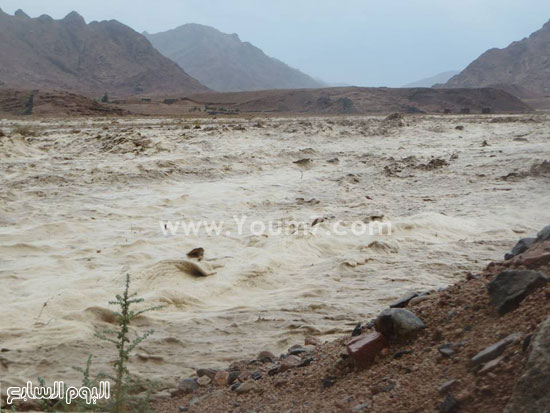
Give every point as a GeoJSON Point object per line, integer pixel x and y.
{"type": "Point", "coordinates": [105, 98]}
{"type": "Point", "coordinates": [122, 379]}
{"type": "Point", "coordinates": [124, 383]}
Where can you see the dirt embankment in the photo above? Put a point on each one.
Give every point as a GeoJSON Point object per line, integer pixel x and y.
{"type": "Point", "coordinates": [481, 346]}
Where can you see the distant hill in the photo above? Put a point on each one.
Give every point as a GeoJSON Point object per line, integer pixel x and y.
{"type": "Point", "coordinates": [91, 59]}
{"type": "Point", "coordinates": [224, 63]}
{"type": "Point", "coordinates": [433, 80]}
{"type": "Point", "coordinates": [523, 68]}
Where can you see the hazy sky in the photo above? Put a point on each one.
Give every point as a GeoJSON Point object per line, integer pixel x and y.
{"type": "Point", "coordinates": [360, 42]}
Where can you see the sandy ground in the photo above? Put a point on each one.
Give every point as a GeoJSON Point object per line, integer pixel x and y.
{"type": "Point", "coordinates": [81, 205]}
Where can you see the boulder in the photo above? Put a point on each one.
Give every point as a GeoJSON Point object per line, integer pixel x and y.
{"type": "Point", "coordinates": [510, 287]}
{"type": "Point", "coordinates": [397, 323]}
{"type": "Point", "coordinates": [544, 234]}
{"type": "Point", "coordinates": [495, 350]}
{"type": "Point", "coordinates": [221, 378]}
{"type": "Point", "coordinates": [204, 381]}
{"type": "Point", "coordinates": [363, 349]}
{"type": "Point", "coordinates": [247, 387]}
{"type": "Point", "coordinates": [531, 392]}
{"type": "Point", "coordinates": [523, 245]}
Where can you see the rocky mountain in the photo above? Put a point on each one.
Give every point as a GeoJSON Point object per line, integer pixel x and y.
{"type": "Point", "coordinates": [522, 68]}
{"type": "Point", "coordinates": [224, 63]}
{"type": "Point", "coordinates": [92, 59]}
{"type": "Point", "coordinates": [433, 80]}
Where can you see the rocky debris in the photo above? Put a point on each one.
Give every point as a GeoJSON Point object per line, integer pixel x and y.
{"type": "Point", "coordinates": [357, 330]}
{"type": "Point", "coordinates": [510, 287]}
{"type": "Point", "coordinates": [446, 386]}
{"type": "Point", "coordinates": [403, 301]}
{"type": "Point", "coordinates": [297, 350]}
{"type": "Point", "coordinates": [247, 387]}
{"type": "Point", "coordinates": [197, 253]}
{"type": "Point", "coordinates": [495, 350]}
{"type": "Point", "coordinates": [363, 349]}
{"type": "Point", "coordinates": [523, 245]}
{"type": "Point", "coordinates": [398, 323]}
{"type": "Point", "coordinates": [531, 393]}
{"type": "Point", "coordinates": [446, 350]}
{"type": "Point", "coordinates": [450, 404]}
{"type": "Point", "coordinates": [289, 362]}
{"type": "Point", "coordinates": [186, 386]}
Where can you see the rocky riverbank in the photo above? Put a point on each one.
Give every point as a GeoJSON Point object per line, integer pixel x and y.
{"type": "Point", "coordinates": [483, 344]}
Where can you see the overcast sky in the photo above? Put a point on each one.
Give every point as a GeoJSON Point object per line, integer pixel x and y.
{"type": "Point", "coordinates": [359, 42]}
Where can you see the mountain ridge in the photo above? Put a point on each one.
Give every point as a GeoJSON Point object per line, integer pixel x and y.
{"type": "Point", "coordinates": [523, 66]}
{"type": "Point", "coordinates": [87, 58]}
{"type": "Point", "coordinates": [224, 62]}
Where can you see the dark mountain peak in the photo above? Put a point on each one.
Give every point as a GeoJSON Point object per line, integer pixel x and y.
{"type": "Point", "coordinates": [74, 17]}
{"type": "Point", "coordinates": [21, 14]}
{"type": "Point", "coordinates": [45, 18]}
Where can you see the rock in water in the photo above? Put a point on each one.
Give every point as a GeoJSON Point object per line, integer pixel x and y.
{"type": "Point", "coordinates": [523, 245]}
{"type": "Point", "coordinates": [510, 287]}
{"type": "Point", "coordinates": [197, 253]}
{"type": "Point", "coordinates": [531, 392]}
{"type": "Point", "coordinates": [397, 323]}
{"type": "Point", "coordinates": [193, 268]}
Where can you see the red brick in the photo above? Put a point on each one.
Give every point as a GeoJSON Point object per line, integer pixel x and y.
{"type": "Point", "coordinates": [364, 348]}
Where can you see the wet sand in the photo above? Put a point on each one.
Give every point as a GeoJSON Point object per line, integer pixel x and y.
{"type": "Point", "coordinates": [80, 206]}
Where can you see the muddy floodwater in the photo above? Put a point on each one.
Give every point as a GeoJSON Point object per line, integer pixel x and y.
{"type": "Point", "coordinates": [85, 202]}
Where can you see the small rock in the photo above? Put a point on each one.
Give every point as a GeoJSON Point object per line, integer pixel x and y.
{"type": "Point", "coordinates": [312, 341]}
{"type": "Point", "coordinates": [446, 350]}
{"type": "Point", "coordinates": [211, 373]}
{"type": "Point", "coordinates": [221, 378]}
{"type": "Point", "coordinates": [360, 407]}
{"type": "Point", "coordinates": [419, 299]}
{"type": "Point", "coordinates": [297, 349]}
{"type": "Point", "coordinates": [247, 387]}
{"type": "Point", "coordinates": [289, 363]}
{"type": "Point", "coordinates": [233, 375]}
{"type": "Point", "coordinates": [273, 371]}
{"type": "Point", "coordinates": [494, 351]}
{"type": "Point", "coordinates": [306, 362]}
{"type": "Point", "coordinates": [357, 330]}
{"type": "Point", "coordinates": [450, 404]}
{"type": "Point", "coordinates": [523, 245]}
{"type": "Point", "coordinates": [204, 381]}
{"type": "Point", "coordinates": [183, 409]}
{"type": "Point", "coordinates": [446, 386]}
{"type": "Point", "coordinates": [256, 375]}
{"type": "Point", "coordinates": [398, 322]}
{"type": "Point", "coordinates": [266, 357]}
{"type": "Point", "coordinates": [186, 386]}
{"type": "Point", "coordinates": [402, 353]}
{"type": "Point", "coordinates": [404, 300]}
{"type": "Point", "coordinates": [510, 287]}
{"type": "Point", "coordinates": [197, 253]}
{"type": "Point", "coordinates": [328, 382]}
{"type": "Point", "coordinates": [489, 366]}
{"type": "Point", "coordinates": [364, 348]}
